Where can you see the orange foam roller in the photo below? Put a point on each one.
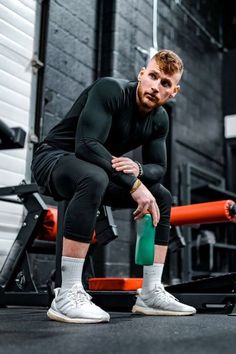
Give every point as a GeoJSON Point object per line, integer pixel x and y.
{"type": "Point", "coordinates": [48, 229]}
{"type": "Point", "coordinates": [204, 213]}
{"type": "Point", "coordinates": [118, 284]}
{"type": "Point", "coordinates": [93, 240]}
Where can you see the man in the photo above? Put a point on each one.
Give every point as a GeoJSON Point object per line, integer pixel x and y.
{"type": "Point", "coordinates": [81, 160]}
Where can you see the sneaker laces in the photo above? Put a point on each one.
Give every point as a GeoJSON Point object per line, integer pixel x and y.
{"type": "Point", "coordinates": [78, 295]}
{"type": "Point", "coordinates": [163, 294]}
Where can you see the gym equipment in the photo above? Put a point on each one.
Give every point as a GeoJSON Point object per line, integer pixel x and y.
{"type": "Point", "coordinates": [38, 235]}
{"type": "Point", "coordinates": [204, 213]}
{"type": "Point", "coordinates": [198, 185]}
{"type": "Point", "coordinates": [17, 286]}
{"type": "Point", "coordinates": [216, 294]}
{"type": "Point", "coordinates": [144, 249]}
{"type": "Point", "coordinates": [124, 284]}
{"type": "Point", "coordinates": [47, 230]}
{"type": "Point", "coordinates": [16, 283]}
{"type": "Point", "coordinates": [11, 138]}
{"type": "Point", "coordinates": [211, 295]}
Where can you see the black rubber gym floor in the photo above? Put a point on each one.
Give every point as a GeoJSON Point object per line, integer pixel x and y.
{"type": "Point", "coordinates": [27, 330]}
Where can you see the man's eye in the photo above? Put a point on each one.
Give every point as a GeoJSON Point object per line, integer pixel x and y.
{"type": "Point", "coordinates": [165, 83]}
{"type": "Point", "coordinates": [152, 76]}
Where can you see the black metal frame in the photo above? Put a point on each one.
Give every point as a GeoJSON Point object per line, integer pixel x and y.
{"type": "Point", "coordinates": [17, 286]}
{"type": "Point", "coordinates": [230, 147]}
{"type": "Point", "coordinates": [221, 303]}
{"type": "Point", "coordinates": [212, 185]}
{"type": "Point", "coordinates": [11, 138]}
{"type": "Point", "coordinates": [212, 295]}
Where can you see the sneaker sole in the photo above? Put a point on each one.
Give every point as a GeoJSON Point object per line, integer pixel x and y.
{"type": "Point", "coordinates": [141, 310]}
{"type": "Point", "coordinates": [56, 316]}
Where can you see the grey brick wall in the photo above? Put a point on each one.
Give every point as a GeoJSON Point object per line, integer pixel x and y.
{"type": "Point", "coordinates": [70, 60]}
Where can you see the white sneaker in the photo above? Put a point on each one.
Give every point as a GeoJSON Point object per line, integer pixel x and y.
{"type": "Point", "coordinates": [75, 306]}
{"type": "Point", "coordinates": [159, 302]}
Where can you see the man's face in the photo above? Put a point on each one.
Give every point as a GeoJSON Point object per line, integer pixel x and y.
{"type": "Point", "coordinates": [155, 87]}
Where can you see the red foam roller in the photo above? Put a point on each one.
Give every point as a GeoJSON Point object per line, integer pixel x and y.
{"type": "Point", "coordinates": [203, 213]}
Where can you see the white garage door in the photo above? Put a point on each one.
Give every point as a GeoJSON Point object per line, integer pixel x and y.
{"type": "Point", "coordinates": [17, 43]}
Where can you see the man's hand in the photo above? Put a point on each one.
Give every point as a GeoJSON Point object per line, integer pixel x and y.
{"type": "Point", "coordinates": [146, 204]}
{"type": "Point", "coordinates": [126, 165]}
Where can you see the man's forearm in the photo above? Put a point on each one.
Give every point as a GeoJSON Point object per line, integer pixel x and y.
{"type": "Point", "coordinates": [92, 151]}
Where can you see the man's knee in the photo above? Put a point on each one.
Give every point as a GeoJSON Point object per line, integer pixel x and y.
{"type": "Point", "coordinates": [166, 195]}
{"type": "Point", "coordinates": [97, 182]}
{"type": "Point", "coordinates": [162, 193]}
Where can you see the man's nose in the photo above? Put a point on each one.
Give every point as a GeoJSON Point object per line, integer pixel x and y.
{"type": "Point", "coordinates": [156, 85]}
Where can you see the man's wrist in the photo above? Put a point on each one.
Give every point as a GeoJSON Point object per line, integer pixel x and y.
{"type": "Point", "coordinates": [140, 173]}
{"type": "Point", "coordinates": [136, 185]}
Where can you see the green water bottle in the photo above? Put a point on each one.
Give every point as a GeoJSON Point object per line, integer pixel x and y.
{"type": "Point", "coordinates": [144, 250]}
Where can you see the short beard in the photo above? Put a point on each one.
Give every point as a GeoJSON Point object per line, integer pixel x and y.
{"type": "Point", "coordinates": [140, 97]}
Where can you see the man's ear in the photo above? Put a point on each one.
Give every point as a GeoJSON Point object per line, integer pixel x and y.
{"type": "Point", "coordinates": [141, 72]}
{"type": "Point", "coordinates": [176, 90]}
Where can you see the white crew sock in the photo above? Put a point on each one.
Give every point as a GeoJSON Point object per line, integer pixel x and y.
{"type": "Point", "coordinates": [152, 276]}
{"type": "Point", "coordinates": [71, 271]}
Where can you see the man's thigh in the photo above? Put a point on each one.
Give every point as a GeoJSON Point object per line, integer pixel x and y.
{"type": "Point", "coordinates": [70, 172]}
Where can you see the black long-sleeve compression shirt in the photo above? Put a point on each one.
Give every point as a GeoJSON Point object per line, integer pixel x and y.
{"type": "Point", "coordinates": [105, 121]}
